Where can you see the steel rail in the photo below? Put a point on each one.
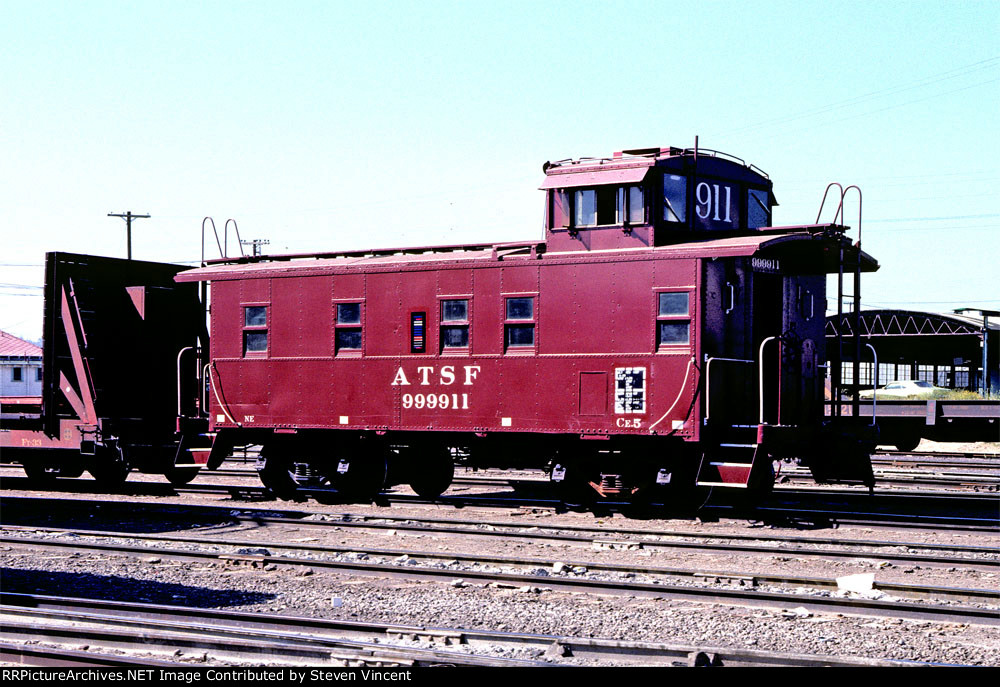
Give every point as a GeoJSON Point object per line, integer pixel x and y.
{"type": "Point", "coordinates": [138, 633]}
{"type": "Point", "coordinates": [940, 454]}
{"type": "Point", "coordinates": [219, 646]}
{"type": "Point", "coordinates": [862, 606]}
{"type": "Point", "coordinates": [751, 579]}
{"type": "Point", "coordinates": [48, 657]}
{"type": "Point", "coordinates": [589, 536]}
{"type": "Point", "coordinates": [586, 535]}
{"type": "Point", "coordinates": [917, 463]}
{"type": "Point", "coordinates": [777, 512]}
{"type": "Point", "coordinates": [633, 652]}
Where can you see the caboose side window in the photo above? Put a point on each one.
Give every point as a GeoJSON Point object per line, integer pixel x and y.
{"type": "Point", "coordinates": [254, 342]}
{"type": "Point", "coordinates": [674, 198]}
{"type": "Point", "coordinates": [519, 324]}
{"type": "Point", "coordinates": [671, 304]}
{"type": "Point", "coordinates": [455, 324]}
{"type": "Point", "coordinates": [585, 206]}
{"type": "Point", "coordinates": [601, 206]}
{"type": "Point", "coordinates": [254, 329]}
{"type": "Point", "coordinates": [758, 211]}
{"type": "Point", "coordinates": [348, 337]}
{"type": "Point", "coordinates": [255, 316]}
{"type": "Point", "coordinates": [673, 319]}
{"type": "Point", "coordinates": [348, 313]}
{"type": "Point", "coordinates": [630, 207]}
{"type": "Point", "coordinates": [561, 214]}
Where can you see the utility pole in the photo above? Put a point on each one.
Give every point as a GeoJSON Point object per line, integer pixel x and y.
{"type": "Point", "coordinates": [256, 244]}
{"type": "Point", "coordinates": [128, 217]}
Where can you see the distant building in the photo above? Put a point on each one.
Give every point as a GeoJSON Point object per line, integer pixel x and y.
{"type": "Point", "coordinates": [20, 367]}
{"type": "Point", "coordinates": [943, 349]}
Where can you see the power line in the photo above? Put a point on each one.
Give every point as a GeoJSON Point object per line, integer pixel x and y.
{"type": "Point", "coordinates": [926, 81]}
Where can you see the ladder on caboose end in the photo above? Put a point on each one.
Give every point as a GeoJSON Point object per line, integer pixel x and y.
{"type": "Point", "coordinates": [836, 362]}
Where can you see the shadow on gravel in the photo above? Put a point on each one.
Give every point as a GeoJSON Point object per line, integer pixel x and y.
{"type": "Point", "coordinates": [85, 485]}
{"type": "Point", "coordinates": [115, 588]}
{"type": "Point", "coordinates": [117, 516]}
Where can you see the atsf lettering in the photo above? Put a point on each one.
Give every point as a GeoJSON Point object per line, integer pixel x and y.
{"type": "Point", "coordinates": [446, 376]}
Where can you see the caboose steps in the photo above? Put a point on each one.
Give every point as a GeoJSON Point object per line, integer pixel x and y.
{"type": "Point", "coordinates": [732, 465]}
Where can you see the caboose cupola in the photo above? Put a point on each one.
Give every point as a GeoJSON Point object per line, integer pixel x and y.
{"type": "Point", "coordinates": [649, 197]}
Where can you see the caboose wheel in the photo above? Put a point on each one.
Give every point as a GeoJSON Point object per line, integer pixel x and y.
{"type": "Point", "coordinates": [434, 474]}
{"type": "Point", "coordinates": [276, 476]}
{"type": "Point", "coordinates": [359, 477]}
{"type": "Point", "coordinates": [761, 482]}
{"type": "Point", "coordinates": [109, 466]}
{"type": "Point", "coordinates": [575, 490]}
{"type": "Point", "coordinates": [41, 473]}
{"type": "Point", "coordinates": [181, 476]}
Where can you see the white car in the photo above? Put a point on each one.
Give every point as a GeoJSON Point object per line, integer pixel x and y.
{"type": "Point", "coordinates": [912, 387]}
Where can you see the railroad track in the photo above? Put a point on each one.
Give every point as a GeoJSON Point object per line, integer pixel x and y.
{"type": "Point", "coordinates": [20, 515]}
{"type": "Point", "coordinates": [940, 454]}
{"type": "Point", "coordinates": [898, 471]}
{"type": "Point", "coordinates": [392, 644]}
{"type": "Point", "coordinates": [521, 564]}
{"type": "Point", "coordinates": [954, 510]}
{"type": "Point", "coordinates": [744, 592]}
{"type": "Point", "coordinates": [228, 637]}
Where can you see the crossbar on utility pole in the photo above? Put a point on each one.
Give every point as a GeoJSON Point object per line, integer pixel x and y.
{"type": "Point", "coordinates": [128, 217]}
{"type": "Point", "coordinates": [257, 245]}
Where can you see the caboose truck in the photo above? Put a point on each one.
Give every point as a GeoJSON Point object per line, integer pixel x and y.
{"type": "Point", "coordinates": [663, 335]}
{"type": "Point", "coordinates": [119, 375]}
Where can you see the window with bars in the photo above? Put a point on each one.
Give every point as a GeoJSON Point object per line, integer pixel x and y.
{"type": "Point", "coordinates": [925, 373]}
{"type": "Point", "coordinates": [961, 377]}
{"type": "Point", "coordinates": [846, 373]}
{"type": "Point", "coordinates": [886, 373]}
{"type": "Point", "coordinates": [865, 374]}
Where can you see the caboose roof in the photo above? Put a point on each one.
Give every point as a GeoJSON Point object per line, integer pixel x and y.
{"type": "Point", "coordinates": [803, 243]}
{"type": "Point", "coordinates": [632, 166]}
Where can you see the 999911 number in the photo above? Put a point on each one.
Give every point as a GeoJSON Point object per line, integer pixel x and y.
{"type": "Point", "coordinates": [436, 401]}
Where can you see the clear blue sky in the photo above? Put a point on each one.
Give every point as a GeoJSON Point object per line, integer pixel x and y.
{"type": "Point", "coordinates": [331, 125]}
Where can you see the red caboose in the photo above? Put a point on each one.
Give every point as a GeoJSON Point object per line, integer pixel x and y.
{"type": "Point", "coordinates": [663, 333]}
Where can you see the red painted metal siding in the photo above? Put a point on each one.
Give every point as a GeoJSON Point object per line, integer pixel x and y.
{"type": "Point", "coordinates": [303, 318]}
{"type": "Point", "coordinates": [595, 333]}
